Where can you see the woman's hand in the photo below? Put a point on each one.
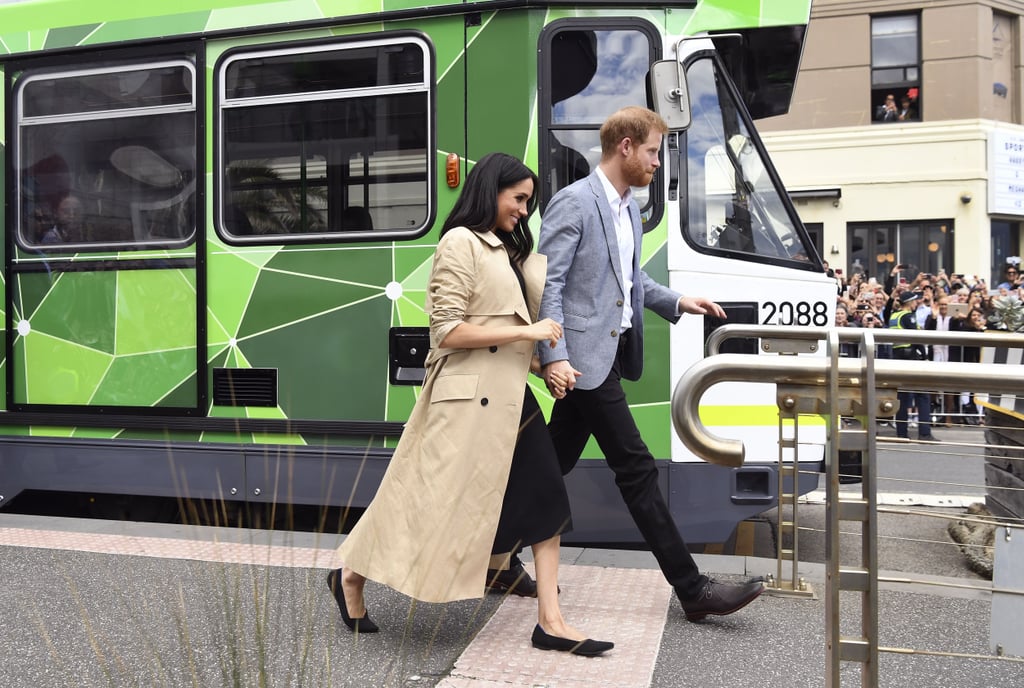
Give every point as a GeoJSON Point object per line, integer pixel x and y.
{"type": "Point", "coordinates": [545, 329]}
{"type": "Point", "coordinates": [560, 378]}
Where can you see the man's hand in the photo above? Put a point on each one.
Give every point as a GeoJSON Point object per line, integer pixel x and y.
{"type": "Point", "coordinates": [699, 305]}
{"type": "Point", "coordinates": [560, 377]}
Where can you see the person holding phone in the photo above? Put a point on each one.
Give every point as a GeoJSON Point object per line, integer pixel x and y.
{"type": "Point", "coordinates": [887, 111]}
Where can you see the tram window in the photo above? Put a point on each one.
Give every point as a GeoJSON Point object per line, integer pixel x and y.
{"type": "Point", "coordinates": [106, 156]}
{"type": "Point", "coordinates": [592, 68]}
{"type": "Point", "coordinates": [325, 142]}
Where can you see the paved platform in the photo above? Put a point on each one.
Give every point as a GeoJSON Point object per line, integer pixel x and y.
{"type": "Point", "coordinates": [101, 603]}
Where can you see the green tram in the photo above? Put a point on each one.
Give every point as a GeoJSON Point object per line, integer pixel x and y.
{"type": "Point", "coordinates": [219, 224]}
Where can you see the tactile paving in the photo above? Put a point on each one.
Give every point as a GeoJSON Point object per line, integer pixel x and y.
{"type": "Point", "coordinates": [625, 606]}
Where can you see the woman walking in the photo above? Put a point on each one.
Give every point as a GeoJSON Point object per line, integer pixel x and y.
{"type": "Point", "coordinates": [474, 475]}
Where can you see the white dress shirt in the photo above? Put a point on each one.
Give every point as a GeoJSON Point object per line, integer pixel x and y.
{"type": "Point", "coordinates": [619, 206]}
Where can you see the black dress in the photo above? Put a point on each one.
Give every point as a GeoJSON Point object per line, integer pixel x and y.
{"type": "Point", "coordinates": [536, 505]}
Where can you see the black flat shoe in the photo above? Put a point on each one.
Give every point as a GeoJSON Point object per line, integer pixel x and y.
{"type": "Point", "coordinates": [584, 648]}
{"type": "Point", "coordinates": [361, 625]}
{"type": "Point", "coordinates": [515, 581]}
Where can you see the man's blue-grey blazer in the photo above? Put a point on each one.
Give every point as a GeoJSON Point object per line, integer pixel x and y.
{"type": "Point", "coordinates": [584, 290]}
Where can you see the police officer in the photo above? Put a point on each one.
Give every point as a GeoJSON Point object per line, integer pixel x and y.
{"type": "Point", "coordinates": [905, 319]}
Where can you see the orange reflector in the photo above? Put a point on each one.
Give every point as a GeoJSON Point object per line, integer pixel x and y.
{"type": "Point", "coordinates": [451, 170]}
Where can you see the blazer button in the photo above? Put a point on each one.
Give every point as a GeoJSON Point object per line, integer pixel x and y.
{"type": "Point", "coordinates": [493, 349]}
{"type": "Point", "coordinates": [483, 402]}
{"type": "Point", "coordinates": [619, 302]}
{"type": "Point", "coordinates": [614, 333]}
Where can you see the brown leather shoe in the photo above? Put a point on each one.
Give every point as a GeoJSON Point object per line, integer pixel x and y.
{"type": "Point", "coordinates": [514, 580]}
{"type": "Point", "coordinates": [719, 599]}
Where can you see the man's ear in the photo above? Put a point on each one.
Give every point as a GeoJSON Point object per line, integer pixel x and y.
{"type": "Point", "coordinates": [625, 146]}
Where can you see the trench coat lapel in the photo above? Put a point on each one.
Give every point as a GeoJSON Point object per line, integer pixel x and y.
{"type": "Point", "coordinates": [535, 270]}
{"type": "Point", "coordinates": [534, 273]}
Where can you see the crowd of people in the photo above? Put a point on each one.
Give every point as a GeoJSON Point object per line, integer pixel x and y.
{"type": "Point", "coordinates": [926, 301]}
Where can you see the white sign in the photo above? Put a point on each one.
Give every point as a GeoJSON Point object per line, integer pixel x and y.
{"type": "Point", "coordinates": [1008, 592]}
{"type": "Point", "coordinates": [1006, 173]}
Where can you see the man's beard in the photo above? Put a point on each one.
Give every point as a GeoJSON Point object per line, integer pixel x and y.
{"type": "Point", "coordinates": [636, 174]}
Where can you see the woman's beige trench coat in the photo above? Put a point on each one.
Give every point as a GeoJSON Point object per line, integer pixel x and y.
{"type": "Point", "coordinates": [429, 531]}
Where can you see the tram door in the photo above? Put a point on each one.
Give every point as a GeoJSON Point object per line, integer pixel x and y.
{"type": "Point", "coordinates": [103, 278]}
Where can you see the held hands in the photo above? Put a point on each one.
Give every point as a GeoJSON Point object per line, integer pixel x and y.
{"type": "Point", "coordinates": [544, 329]}
{"type": "Point", "coordinates": [560, 377]}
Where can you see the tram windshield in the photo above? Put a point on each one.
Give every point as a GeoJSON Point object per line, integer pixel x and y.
{"type": "Point", "coordinates": [735, 204]}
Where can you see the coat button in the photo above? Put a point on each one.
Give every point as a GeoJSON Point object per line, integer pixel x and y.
{"type": "Point", "coordinates": [493, 349]}
{"type": "Point", "coordinates": [483, 402]}
{"type": "Point", "coordinates": [619, 302]}
{"type": "Point", "coordinates": [614, 333]}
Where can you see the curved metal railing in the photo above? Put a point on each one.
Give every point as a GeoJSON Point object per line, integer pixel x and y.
{"type": "Point", "coordinates": [807, 370]}
{"type": "Point", "coordinates": [831, 385]}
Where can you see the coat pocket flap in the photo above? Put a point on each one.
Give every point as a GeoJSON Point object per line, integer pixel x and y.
{"type": "Point", "coordinates": [575, 322]}
{"type": "Point", "coordinates": [448, 387]}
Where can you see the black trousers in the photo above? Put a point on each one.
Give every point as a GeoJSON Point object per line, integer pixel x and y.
{"type": "Point", "coordinates": [604, 413]}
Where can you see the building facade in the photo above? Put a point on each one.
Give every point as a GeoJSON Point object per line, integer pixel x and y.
{"type": "Point", "coordinates": [904, 143]}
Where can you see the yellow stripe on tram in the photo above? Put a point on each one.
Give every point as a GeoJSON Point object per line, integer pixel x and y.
{"type": "Point", "coordinates": [746, 416]}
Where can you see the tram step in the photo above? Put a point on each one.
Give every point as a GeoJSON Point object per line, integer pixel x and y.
{"type": "Point", "coordinates": [741, 542]}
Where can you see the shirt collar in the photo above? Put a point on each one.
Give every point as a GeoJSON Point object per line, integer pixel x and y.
{"type": "Point", "coordinates": [614, 199]}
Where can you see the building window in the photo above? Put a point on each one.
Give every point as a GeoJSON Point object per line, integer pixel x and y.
{"type": "Point", "coordinates": [875, 248]}
{"type": "Point", "coordinates": [895, 68]}
{"type": "Point", "coordinates": [1002, 67]}
{"type": "Point", "coordinates": [326, 141]}
{"type": "Point", "coordinates": [106, 155]}
{"type": "Point", "coordinates": [816, 230]}
{"type": "Point", "coordinates": [1005, 249]}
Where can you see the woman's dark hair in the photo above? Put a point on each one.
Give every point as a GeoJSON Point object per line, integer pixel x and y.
{"type": "Point", "coordinates": [477, 205]}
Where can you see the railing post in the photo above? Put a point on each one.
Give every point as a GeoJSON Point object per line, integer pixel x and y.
{"type": "Point", "coordinates": [833, 640]}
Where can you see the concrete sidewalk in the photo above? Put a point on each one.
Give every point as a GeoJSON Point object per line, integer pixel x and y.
{"type": "Point", "coordinates": [100, 603]}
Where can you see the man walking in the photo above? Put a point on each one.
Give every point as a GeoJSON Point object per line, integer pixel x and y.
{"type": "Point", "coordinates": [591, 235]}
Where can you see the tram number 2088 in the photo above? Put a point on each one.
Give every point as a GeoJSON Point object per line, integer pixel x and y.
{"type": "Point", "coordinates": [801, 313]}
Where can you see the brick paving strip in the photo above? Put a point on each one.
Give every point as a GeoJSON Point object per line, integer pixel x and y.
{"type": "Point", "coordinates": [626, 606]}
{"type": "Point", "coordinates": [221, 551]}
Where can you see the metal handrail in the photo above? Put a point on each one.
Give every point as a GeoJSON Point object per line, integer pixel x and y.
{"type": "Point", "coordinates": [892, 374]}
{"type": "Point", "coordinates": [999, 338]}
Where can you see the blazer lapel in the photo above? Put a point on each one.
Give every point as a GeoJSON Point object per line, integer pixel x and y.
{"type": "Point", "coordinates": [604, 215]}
